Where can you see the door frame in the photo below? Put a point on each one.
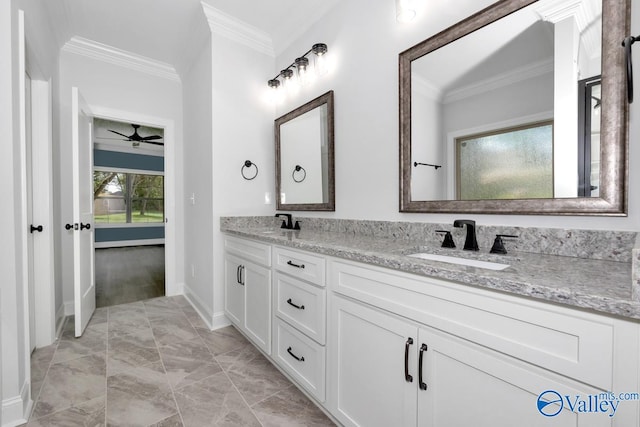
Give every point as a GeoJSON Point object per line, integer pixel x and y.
{"type": "Point", "coordinates": [172, 285]}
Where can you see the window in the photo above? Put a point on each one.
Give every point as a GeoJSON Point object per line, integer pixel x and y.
{"type": "Point", "coordinates": [124, 198]}
{"type": "Point", "coordinates": [514, 163]}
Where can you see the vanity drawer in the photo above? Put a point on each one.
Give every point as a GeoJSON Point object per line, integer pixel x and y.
{"type": "Point", "coordinates": [569, 342]}
{"type": "Point", "coordinates": [301, 357]}
{"type": "Point", "coordinates": [302, 305]}
{"type": "Point", "coordinates": [300, 264]}
{"type": "Point", "coordinates": [249, 250]}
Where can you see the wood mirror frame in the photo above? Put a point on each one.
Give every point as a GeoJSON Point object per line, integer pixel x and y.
{"type": "Point", "coordinates": [614, 122]}
{"type": "Point", "coordinates": [330, 203]}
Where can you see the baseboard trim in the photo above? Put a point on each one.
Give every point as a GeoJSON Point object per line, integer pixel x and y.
{"type": "Point", "coordinates": [220, 320]}
{"type": "Point", "coordinates": [60, 316]}
{"type": "Point", "coordinates": [200, 308]}
{"type": "Point", "coordinates": [69, 308]}
{"type": "Point", "coordinates": [126, 243]}
{"type": "Point", "coordinates": [16, 410]}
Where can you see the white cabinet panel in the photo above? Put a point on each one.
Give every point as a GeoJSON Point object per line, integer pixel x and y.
{"type": "Point", "coordinates": [233, 290]}
{"type": "Point", "coordinates": [301, 304]}
{"type": "Point", "coordinates": [303, 358]}
{"type": "Point", "coordinates": [302, 265]}
{"type": "Point", "coordinates": [367, 367]}
{"type": "Point", "coordinates": [257, 314]}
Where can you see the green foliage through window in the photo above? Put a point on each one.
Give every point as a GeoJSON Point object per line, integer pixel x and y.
{"type": "Point", "coordinates": [122, 198]}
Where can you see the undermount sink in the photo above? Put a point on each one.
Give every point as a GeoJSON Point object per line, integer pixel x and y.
{"type": "Point", "coordinates": [461, 261]}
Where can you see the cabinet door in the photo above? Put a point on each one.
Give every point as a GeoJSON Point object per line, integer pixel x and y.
{"type": "Point", "coordinates": [233, 290]}
{"type": "Point", "coordinates": [470, 385]}
{"type": "Point", "coordinates": [367, 367]}
{"type": "Point", "coordinates": [257, 310]}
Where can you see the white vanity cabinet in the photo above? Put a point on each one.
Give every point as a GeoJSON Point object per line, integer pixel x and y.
{"type": "Point", "coordinates": [379, 347]}
{"type": "Point", "coordinates": [247, 276]}
{"type": "Point", "coordinates": [407, 350]}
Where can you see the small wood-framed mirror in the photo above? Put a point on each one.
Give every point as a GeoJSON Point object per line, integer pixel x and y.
{"type": "Point", "coordinates": [482, 83]}
{"type": "Point", "coordinates": [305, 157]}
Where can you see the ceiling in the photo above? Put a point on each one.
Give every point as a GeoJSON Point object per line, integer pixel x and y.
{"type": "Point", "coordinates": [163, 29]}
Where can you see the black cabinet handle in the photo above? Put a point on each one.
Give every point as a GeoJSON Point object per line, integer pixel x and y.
{"type": "Point", "coordinates": [408, 378]}
{"type": "Point", "coordinates": [299, 307]}
{"type": "Point", "coordinates": [299, 359]}
{"type": "Point", "coordinates": [241, 269]}
{"type": "Point", "coordinates": [295, 265]}
{"type": "Point", "coordinates": [423, 385]}
{"type": "Point", "coordinates": [238, 274]}
{"type": "Point", "coordinates": [83, 226]}
{"type": "Point", "coordinates": [38, 229]}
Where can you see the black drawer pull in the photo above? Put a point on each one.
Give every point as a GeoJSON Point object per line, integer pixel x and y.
{"type": "Point", "coordinates": [423, 385]}
{"type": "Point", "coordinates": [299, 307]}
{"type": "Point", "coordinates": [408, 378]}
{"type": "Point", "coordinates": [299, 359]}
{"type": "Point", "coordinates": [295, 265]}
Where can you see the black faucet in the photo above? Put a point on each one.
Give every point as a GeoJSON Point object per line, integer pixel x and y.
{"type": "Point", "coordinates": [288, 223]}
{"type": "Point", "coordinates": [470, 243]}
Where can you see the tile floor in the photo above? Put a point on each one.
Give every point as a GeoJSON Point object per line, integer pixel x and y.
{"type": "Point", "coordinates": [155, 363]}
{"type": "Point", "coordinates": [129, 274]}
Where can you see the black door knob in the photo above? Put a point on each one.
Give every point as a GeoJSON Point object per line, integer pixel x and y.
{"type": "Point", "coordinates": [83, 226]}
{"type": "Point", "coordinates": [38, 229]}
{"type": "Point", "coordinates": [68, 226]}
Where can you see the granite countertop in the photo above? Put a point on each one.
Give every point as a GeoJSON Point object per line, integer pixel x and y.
{"type": "Point", "coordinates": [603, 286]}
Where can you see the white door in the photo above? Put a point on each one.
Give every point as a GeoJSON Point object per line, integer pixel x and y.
{"type": "Point", "coordinates": [466, 384]}
{"type": "Point", "coordinates": [29, 187]}
{"type": "Point", "coordinates": [257, 312]}
{"type": "Point", "coordinates": [233, 290]}
{"type": "Point", "coordinates": [372, 367]}
{"type": "Point", "coordinates": [83, 240]}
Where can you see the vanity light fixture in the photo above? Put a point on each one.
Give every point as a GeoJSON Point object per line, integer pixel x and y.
{"type": "Point", "coordinates": [405, 10]}
{"type": "Point", "coordinates": [301, 65]}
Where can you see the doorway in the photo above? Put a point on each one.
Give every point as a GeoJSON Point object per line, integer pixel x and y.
{"type": "Point", "coordinates": [129, 216]}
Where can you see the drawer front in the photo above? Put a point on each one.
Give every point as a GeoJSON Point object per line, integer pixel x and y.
{"type": "Point", "coordinates": [249, 250]}
{"type": "Point", "coordinates": [302, 305]}
{"type": "Point", "coordinates": [572, 343]}
{"type": "Point", "coordinates": [301, 357]}
{"type": "Point", "coordinates": [300, 264]}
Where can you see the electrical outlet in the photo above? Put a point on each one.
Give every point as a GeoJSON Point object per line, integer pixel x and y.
{"type": "Point", "coordinates": [267, 198]}
{"type": "Point", "coordinates": [193, 198]}
{"type": "Point", "coordinates": [193, 271]}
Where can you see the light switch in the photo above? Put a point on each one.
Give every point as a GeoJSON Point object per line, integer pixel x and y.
{"type": "Point", "coordinates": [193, 198]}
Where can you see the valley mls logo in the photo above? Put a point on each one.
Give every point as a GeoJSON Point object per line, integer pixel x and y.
{"type": "Point", "coordinates": [550, 403]}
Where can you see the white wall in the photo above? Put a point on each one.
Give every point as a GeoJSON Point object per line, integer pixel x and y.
{"type": "Point", "coordinates": [364, 41]}
{"type": "Point", "coordinates": [41, 64]}
{"type": "Point", "coordinates": [242, 130]}
{"type": "Point", "coordinates": [198, 176]}
{"type": "Point", "coordinates": [108, 87]}
{"type": "Point", "coordinates": [227, 121]}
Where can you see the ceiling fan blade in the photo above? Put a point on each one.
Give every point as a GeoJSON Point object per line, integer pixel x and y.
{"type": "Point", "coordinates": [154, 143]}
{"type": "Point", "coordinates": [152, 137]}
{"type": "Point", "coordinates": [118, 133]}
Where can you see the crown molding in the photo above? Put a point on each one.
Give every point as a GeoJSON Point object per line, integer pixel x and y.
{"type": "Point", "coordinates": [584, 13]}
{"type": "Point", "coordinates": [123, 58]}
{"type": "Point", "coordinates": [510, 77]}
{"type": "Point", "coordinates": [239, 31]}
{"type": "Point", "coordinates": [423, 87]}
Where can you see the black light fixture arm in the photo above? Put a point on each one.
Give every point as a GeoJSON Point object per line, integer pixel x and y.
{"type": "Point", "coordinates": [626, 43]}
{"type": "Point", "coordinates": [301, 61]}
{"type": "Point", "coordinates": [426, 164]}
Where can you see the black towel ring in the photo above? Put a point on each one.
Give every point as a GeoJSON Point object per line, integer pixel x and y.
{"type": "Point", "coordinates": [298, 168]}
{"type": "Point", "coordinates": [248, 164]}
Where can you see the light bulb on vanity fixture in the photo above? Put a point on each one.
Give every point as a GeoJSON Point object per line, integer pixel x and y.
{"type": "Point", "coordinates": [405, 10]}
{"type": "Point", "coordinates": [304, 71]}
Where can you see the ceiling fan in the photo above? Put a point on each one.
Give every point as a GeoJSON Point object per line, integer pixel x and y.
{"type": "Point", "coordinates": [137, 139]}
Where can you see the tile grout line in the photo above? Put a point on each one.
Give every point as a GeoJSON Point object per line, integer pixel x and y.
{"type": "Point", "coordinates": [44, 378]}
{"type": "Point", "coordinates": [173, 395]}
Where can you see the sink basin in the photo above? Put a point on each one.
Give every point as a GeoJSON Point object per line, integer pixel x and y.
{"type": "Point", "coordinates": [461, 261]}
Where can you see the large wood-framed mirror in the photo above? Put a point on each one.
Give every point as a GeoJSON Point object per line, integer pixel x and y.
{"type": "Point", "coordinates": [305, 157]}
{"type": "Point", "coordinates": [506, 87]}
